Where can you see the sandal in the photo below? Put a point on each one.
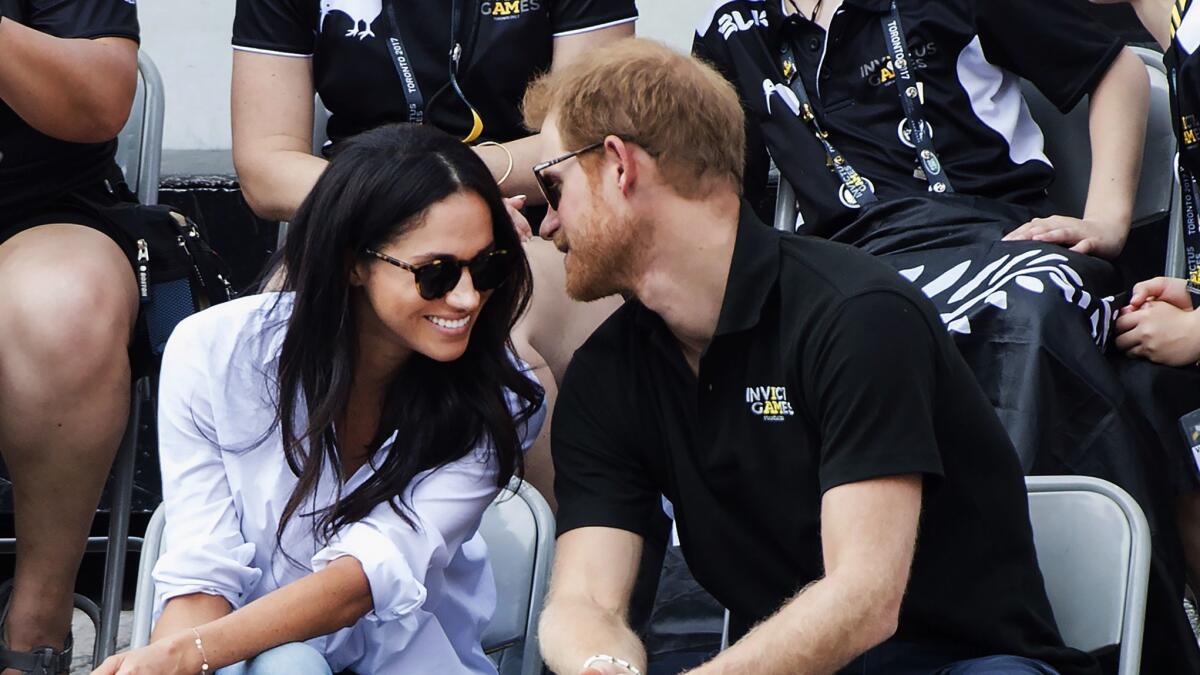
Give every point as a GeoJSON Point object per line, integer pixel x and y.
{"type": "Point", "coordinates": [37, 661]}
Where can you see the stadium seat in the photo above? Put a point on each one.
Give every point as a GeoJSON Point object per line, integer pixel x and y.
{"type": "Point", "coordinates": [139, 145]}
{"type": "Point", "coordinates": [1093, 547]}
{"type": "Point", "coordinates": [519, 530]}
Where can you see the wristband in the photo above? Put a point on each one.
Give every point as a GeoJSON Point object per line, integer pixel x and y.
{"type": "Point", "coordinates": [605, 658]}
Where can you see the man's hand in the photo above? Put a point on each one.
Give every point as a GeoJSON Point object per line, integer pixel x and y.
{"type": "Point", "coordinates": [520, 222]}
{"type": "Point", "coordinates": [1161, 332]}
{"type": "Point", "coordinates": [1103, 239]}
{"type": "Point", "coordinates": [1167, 289]}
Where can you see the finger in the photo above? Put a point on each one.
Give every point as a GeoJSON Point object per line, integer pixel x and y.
{"type": "Point", "coordinates": [1127, 341]}
{"type": "Point", "coordinates": [1150, 287]}
{"type": "Point", "coordinates": [1025, 231]}
{"type": "Point", "coordinates": [516, 201]}
{"type": "Point", "coordinates": [1085, 246]}
{"type": "Point", "coordinates": [1127, 322]}
{"type": "Point", "coordinates": [1066, 236]}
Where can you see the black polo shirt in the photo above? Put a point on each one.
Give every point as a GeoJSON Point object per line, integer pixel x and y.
{"type": "Point", "coordinates": [1183, 62]}
{"type": "Point", "coordinates": [826, 368]}
{"type": "Point", "coordinates": [357, 79]}
{"type": "Point", "coordinates": [968, 55]}
{"type": "Point", "coordinates": [35, 168]}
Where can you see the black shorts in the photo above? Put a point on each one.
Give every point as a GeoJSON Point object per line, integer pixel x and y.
{"type": "Point", "coordinates": [84, 206]}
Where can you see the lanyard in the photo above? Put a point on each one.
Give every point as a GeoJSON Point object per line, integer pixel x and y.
{"type": "Point", "coordinates": [1188, 191]}
{"type": "Point", "coordinates": [910, 101]}
{"type": "Point", "coordinates": [417, 105]}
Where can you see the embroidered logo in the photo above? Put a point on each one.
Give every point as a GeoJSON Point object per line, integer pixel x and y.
{"type": "Point", "coordinates": [730, 23]}
{"type": "Point", "coordinates": [769, 403]}
{"type": "Point", "coordinates": [1188, 124]}
{"type": "Point", "coordinates": [505, 10]}
{"type": "Point", "coordinates": [362, 12]}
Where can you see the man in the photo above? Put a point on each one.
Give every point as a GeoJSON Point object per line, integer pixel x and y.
{"type": "Point", "coordinates": [799, 404]}
{"type": "Point", "coordinates": [68, 299]}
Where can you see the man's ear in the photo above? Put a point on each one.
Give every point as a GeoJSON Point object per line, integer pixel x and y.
{"type": "Point", "coordinates": [626, 163]}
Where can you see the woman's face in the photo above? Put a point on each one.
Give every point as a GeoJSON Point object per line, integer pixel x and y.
{"type": "Point", "coordinates": [393, 315]}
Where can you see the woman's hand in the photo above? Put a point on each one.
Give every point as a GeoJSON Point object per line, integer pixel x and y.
{"type": "Point", "coordinates": [1161, 332]}
{"type": "Point", "coordinates": [175, 655]}
{"type": "Point", "coordinates": [1167, 289]}
{"type": "Point", "coordinates": [520, 223]}
{"type": "Point", "coordinates": [1103, 239]}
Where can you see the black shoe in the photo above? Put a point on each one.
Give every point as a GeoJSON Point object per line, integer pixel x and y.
{"type": "Point", "coordinates": [37, 661]}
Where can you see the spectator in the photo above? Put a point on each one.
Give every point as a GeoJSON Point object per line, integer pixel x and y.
{"type": "Point", "coordinates": [328, 451]}
{"type": "Point", "coordinates": [68, 72]}
{"type": "Point", "coordinates": [285, 50]}
{"type": "Point", "coordinates": [801, 407]}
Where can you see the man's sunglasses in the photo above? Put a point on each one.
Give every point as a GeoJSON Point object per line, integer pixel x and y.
{"type": "Point", "coordinates": [439, 276]}
{"type": "Point", "coordinates": [550, 186]}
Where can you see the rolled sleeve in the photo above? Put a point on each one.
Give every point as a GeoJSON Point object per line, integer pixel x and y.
{"type": "Point", "coordinates": [205, 551]}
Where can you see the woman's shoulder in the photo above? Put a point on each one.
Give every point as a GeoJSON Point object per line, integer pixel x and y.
{"type": "Point", "coordinates": [249, 323]}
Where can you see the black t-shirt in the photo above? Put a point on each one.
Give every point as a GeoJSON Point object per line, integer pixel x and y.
{"type": "Point", "coordinates": [966, 53]}
{"type": "Point", "coordinates": [35, 168]}
{"type": "Point", "coordinates": [357, 78]}
{"type": "Point", "coordinates": [1183, 63]}
{"type": "Point", "coordinates": [826, 368]}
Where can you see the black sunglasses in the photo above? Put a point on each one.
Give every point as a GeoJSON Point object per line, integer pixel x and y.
{"type": "Point", "coordinates": [439, 276]}
{"type": "Point", "coordinates": [551, 188]}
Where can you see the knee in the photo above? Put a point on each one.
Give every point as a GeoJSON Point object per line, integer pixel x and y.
{"type": "Point", "coordinates": [294, 658]}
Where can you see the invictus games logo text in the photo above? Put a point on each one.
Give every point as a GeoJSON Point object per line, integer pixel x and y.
{"type": "Point", "coordinates": [769, 403]}
{"type": "Point", "coordinates": [502, 10]}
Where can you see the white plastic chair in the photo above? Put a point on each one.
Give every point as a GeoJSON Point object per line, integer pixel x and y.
{"type": "Point", "coordinates": [1093, 547]}
{"type": "Point", "coordinates": [519, 530]}
{"type": "Point", "coordinates": [139, 145]}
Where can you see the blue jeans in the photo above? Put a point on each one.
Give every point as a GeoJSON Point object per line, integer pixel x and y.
{"type": "Point", "coordinates": [900, 658]}
{"type": "Point", "coordinates": [293, 658]}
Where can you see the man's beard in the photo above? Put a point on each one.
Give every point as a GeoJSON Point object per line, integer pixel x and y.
{"type": "Point", "coordinates": [603, 261]}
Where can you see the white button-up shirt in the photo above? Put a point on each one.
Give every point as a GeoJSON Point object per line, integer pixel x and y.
{"type": "Point", "coordinates": [225, 483]}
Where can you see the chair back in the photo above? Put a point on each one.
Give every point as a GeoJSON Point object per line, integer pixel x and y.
{"type": "Point", "coordinates": [1068, 145]}
{"type": "Point", "coordinates": [518, 528]}
{"type": "Point", "coordinates": [139, 145]}
{"type": "Point", "coordinates": [1093, 547]}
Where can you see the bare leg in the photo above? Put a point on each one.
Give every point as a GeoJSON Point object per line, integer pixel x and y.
{"type": "Point", "coordinates": [67, 311]}
{"type": "Point", "coordinates": [546, 338]}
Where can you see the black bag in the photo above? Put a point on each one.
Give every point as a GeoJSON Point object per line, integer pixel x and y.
{"type": "Point", "coordinates": [178, 273]}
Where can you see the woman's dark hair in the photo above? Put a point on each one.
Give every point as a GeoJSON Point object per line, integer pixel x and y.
{"type": "Point", "coordinates": [377, 187]}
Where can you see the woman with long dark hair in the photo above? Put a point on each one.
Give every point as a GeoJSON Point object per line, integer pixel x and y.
{"type": "Point", "coordinates": [328, 451]}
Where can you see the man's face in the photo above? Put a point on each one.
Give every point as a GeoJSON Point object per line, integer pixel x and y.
{"type": "Point", "coordinates": [601, 243]}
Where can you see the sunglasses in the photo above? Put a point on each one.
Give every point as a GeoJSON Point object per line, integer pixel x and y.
{"type": "Point", "coordinates": [439, 276]}
{"type": "Point", "coordinates": [549, 185]}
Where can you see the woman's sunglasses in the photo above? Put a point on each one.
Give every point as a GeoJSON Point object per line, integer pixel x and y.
{"type": "Point", "coordinates": [439, 276]}
{"type": "Point", "coordinates": [549, 185]}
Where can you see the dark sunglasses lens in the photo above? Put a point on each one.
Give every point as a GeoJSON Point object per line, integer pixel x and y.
{"type": "Point", "coordinates": [491, 270]}
{"type": "Point", "coordinates": [437, 278]}
{"type": "Point", "coordinates": [549, 190]}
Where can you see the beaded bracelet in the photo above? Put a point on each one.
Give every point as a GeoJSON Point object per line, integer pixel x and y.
{"type": "Point", "coordinates": [203, 656]}
{"type": "Point", "coordinates": [605, 658]}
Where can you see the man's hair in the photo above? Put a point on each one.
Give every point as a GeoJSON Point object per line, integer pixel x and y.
{"type": "Point", "coordinates": [678, 109]}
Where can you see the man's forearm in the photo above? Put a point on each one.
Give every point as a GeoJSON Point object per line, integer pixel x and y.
{"type": "Point", "coordinates": [73, 89]}
{"type": "Point", "coordinates": [525, 153]}
{"type": "Point", "coordinates": [827, 625]}
{"type": "Point", "coordinates": [276, 182]}
{"type": "Point", "coordinates": [1117, 125]}
{"type": "Point", "coordinates": [573, 630]}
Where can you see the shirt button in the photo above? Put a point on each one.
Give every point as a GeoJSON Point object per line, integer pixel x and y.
{"type": "Point", "coordinates": [814, 44]}
{"type": "Point", "coordinates": [710, 387]}
{"type": "Point", "coordinates": [825, 76]}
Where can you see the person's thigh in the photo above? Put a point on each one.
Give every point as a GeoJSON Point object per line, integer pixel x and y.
{"type": "Point", "coordinates": [294, 658]}
{"type": "Point", "coordinates": [998, 665]}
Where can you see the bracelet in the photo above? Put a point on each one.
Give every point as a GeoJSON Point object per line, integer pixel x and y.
{"type": "Point", "coordinates": [203, 656]}
{"type": "Point", "coordinates": [605, 658]}
{"type": "Point", "coordinates": [506, 171]}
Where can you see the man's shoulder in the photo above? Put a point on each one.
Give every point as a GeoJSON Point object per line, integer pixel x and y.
{"type": "Point", "coordinates": [725, 17]}
{"type": "Point", "coordinates": [822, 266]}
{"type": "Point", "coordinates": [615, 340]}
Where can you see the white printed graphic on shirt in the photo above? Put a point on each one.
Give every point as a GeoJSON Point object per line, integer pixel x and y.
{"type": "Point", "coordinates": [1029, 271]}
{"type": "Point", "coordinates": [361, 12]}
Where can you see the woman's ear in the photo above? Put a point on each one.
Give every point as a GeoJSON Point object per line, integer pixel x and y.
{"type": "Point", "coordinates": [359, 270]}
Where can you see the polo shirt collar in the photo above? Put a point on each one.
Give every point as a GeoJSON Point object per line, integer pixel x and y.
{"type": "Point", "coordinates": [776, 13]}
{"type": "Point", "coordinates": [753, 273]}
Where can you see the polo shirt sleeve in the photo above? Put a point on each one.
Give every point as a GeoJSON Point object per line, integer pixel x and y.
{"type": "Point", "coordinates": [572, 17]}
{"type": "Point", "coordinates": [871, 379]}
{"type": "Point", "coordinates": [82, 18]}
{"type": "Point", "coordinates": [1052, 43]}
{"type": "Point", "coordinates": [281, 27]}
{"type": "Point", "coordinates": [600, 479]}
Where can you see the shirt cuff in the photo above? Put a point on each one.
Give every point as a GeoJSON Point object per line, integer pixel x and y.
{"type": "Point", "coordinates": [396, 593]}
{"type": "Point", "coordinates": [205, 569]}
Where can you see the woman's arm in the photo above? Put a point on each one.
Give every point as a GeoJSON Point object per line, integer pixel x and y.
{"type": "Point", "coordinates": [526, 152]}
{"type": "Point", "coordinates": [77, 90]}
{"type": "Point", "coordinates": [272, 103]}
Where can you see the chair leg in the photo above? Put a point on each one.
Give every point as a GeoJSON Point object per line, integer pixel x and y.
{"type": "Point", "coordinates": [120, 503]}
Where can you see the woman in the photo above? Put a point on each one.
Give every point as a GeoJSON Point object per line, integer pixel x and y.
{"type": "Point", "coordinates": [328, 451]}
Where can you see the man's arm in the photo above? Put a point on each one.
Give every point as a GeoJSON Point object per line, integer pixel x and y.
{"type": "Point", "coordinates": [868, 533]}
{"type": "Point", "coordinates": [594, 572]}
{"type": "Point", "coordinates": [272, 132]}
{"type": "Point", "coordinates": [1117, 125]}
{"type": "Point", "coordinates": [78, 90]}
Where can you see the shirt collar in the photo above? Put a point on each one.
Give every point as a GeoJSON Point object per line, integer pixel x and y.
{"type": "Point", "coordinates": [753, 273]}
{"type": "Point", "coordinates": [776, 13]}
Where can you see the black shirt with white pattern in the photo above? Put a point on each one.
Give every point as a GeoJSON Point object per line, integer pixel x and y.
{"type": "Point", "coordinates": [357, 80]}
{"type": "Point", "coordinates": [968, 55]}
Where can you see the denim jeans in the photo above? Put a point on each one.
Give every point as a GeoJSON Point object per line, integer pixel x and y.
{"type": "Point", "coordinates": [294, 658]}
